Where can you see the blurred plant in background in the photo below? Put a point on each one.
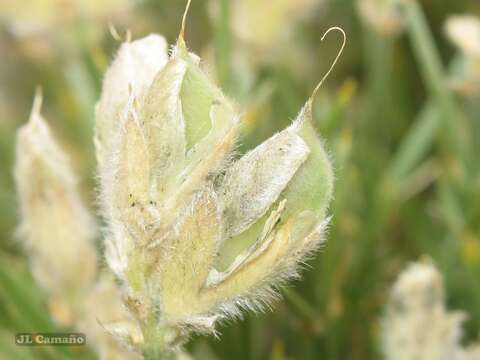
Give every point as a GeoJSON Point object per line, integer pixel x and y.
{"type": "Point", "coordinates": [57, 229]}
{"type": "Point", "coordinates": [58, 234]}
{"type": "Point", "coordinates": [405, 146]}
{"type": "Point", "coordinates": [464, 32]}
{"type": "Point", "coordinates": [417, 325]}
{"type": "Point", "coordinates": [384, 16]}
{"type": "Point", "coordinates": [38, 21]}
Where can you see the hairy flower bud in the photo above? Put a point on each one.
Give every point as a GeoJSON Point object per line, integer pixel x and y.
{"type": "Point", "coordinates": [194, 233]}
{"type": "Point", "coordinates": [131, 72]}
{"type": "Point", "coordinates": [417, 325]}
{"type": "Point", "coordinates": [56, 227]}
{"type": "Point", "coordinates": [58, 234]}
{"type": "Point", "coordinates": [464, 32]}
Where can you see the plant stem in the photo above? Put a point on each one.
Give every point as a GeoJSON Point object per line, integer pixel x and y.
{"type": "Point", "coordinates": [154, 341]}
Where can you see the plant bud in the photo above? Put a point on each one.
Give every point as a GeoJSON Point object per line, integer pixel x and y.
{"type": "Point", "coordinates": [464, 32]}
{"type": "Point", "coordinates": [194, 233]}
{"type": "Point", "coordinates": [131, 72]}
{"type": "Point", "coordinates": [56, 227]}
{"type": "Point", "coordinates": [416, 324]}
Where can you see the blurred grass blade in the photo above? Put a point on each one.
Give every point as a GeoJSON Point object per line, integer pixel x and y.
{"type": "Point", "coordinates": [11, 351]}
{"type": "Point", "coordinates": [434, 76]}
{"type": "Point", "coordinates": [22, 298]}
{"type": "Point", "coordinates": [415, 144]}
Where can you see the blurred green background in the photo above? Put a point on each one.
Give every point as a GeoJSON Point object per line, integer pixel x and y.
{"type": "Point", "coordinates": [405, 145]}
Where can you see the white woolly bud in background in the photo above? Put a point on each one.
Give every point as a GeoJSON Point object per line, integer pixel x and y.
{"type": "Point", "coordinates": [416, 324]}
{"type": "Point", "coordinates": [194, 235]}
{"type": "Point", "coordinates": [383, 16]}
{"type": "Point", "coordinates": [56, 227]}
{"type": "Point", "coordinates": [58, 233]}
{"type": "Point", "coordinates": [464, 32]}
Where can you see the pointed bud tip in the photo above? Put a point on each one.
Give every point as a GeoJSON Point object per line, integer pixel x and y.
{"type": "Point", "coordinates": [37, 105]}
{"type": "Point", "coordinates": [181, 36]}
{"type": "Point", "coordinates": [26, 132]}
{"type": "Point", "coordinates": [184, 20]}
{"type": "Point", "coordinates": [306, 112]}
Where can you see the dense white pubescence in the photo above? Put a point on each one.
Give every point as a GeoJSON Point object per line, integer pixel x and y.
{"type": "Point", "coordinates": [464, 32]}
{"type": "Point", "coordinates": [172, 194]}
{"type": "Point", "coordinates": [254, 182]}
{"type": "Point", "coordinates": [416, 324]}
{"type": "Point", "coordinates": [126, 81]}
{"type": "Point", "coordinates": [56, 227]}
{"type": "Point", "coordinates": [130, 74]}
{"type": "Point", "coordinates": [58, 233]}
